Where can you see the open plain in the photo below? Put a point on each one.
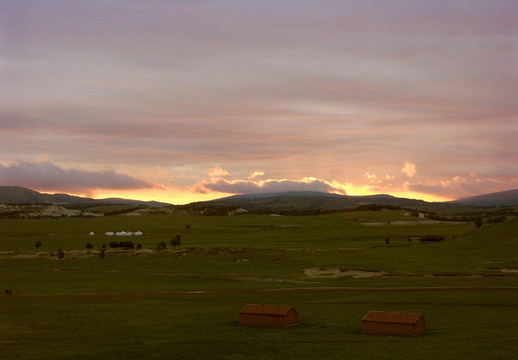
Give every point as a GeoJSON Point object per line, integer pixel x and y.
{"type": "Point", "coordinates": [182, 302]}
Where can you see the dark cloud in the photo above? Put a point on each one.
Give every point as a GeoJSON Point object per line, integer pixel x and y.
{"type": "Point", "coordinates": [268, 186]}
{"type": "Point", "coordinates": [47, 176]}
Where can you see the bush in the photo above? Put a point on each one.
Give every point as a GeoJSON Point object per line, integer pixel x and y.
{"type": "Point", "coordinates": [429, 238]}
{"type": "Point", "coordinates": [161, 246]}
{"type": "Point", "coordinates": [38, 244]}
{"type": "Point", "coordinates": [176, 240]}
{"type": "Point", "coordinates": [139, 246]}
{"type": "Point", "coordinates": [89, 246]}
{"type": "Point", "coordinates": [127, 244]}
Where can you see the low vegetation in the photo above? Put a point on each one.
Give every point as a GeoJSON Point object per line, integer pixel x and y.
{"type": "Point", "coordinates": [177, 293]}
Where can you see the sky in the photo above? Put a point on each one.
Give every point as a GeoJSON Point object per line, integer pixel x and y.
{"type": "Point", "coordinates": [182, 101]}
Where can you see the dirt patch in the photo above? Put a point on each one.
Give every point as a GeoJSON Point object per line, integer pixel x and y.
{"type": "Point", "coordinates": [512, 271]}
{"type": "Point", "coordinates": [71, 254]}
{"type": "Point", "coordinates": [411, 222]}
{"type": "Point", "coordinates": [335, 273]}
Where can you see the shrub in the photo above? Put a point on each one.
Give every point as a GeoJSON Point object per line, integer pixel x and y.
{"type": "Point", "coordinates": [114, 244]}
{"type": "Point", "coordinates": [38, 244]}
{"type": "Point", "coordinates": [176, 240]}
{"type": "Point", "coordinates": [127, 244]}
{"type": "Point", "coordinates": [429, 238]}
{"type": "Point", "coordinates": [89, 246]}
{"type": "Point", "coordinates": [161, 246]}
{"type": "Point", "coordinates": [139, 246]}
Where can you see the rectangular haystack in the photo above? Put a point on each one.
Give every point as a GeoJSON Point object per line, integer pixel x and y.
{"type": "Point", "coordinates": [268, 315]}
{"type": "Point", "coordinates": [393, 323]}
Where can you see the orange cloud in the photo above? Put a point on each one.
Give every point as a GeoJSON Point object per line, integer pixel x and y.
{"type": "Point", "coordinates": [409, 169]}
{"type": "Point", "coordinates": [218, 172]}
{"type": "Point", "coordinates": [255, 174]}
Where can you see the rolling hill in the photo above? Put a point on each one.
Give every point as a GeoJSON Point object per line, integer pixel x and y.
{"type": "Point", "coordinates": [502, 198]}
{"type": "Point", "coordinates": [306, 202]}
{"type": "Point", "coordinates": [20, 195]}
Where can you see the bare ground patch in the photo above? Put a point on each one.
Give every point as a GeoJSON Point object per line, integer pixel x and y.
{"type": "Point", "coordinates": [336, 273]}
{"type": "Point", "coordinates": [411, 222]}
{"type": "Point", "coordinates": [512, 271]}
{"type": "Point", "coordinates": [72, 254]}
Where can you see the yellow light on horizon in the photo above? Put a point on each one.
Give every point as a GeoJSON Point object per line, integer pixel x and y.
{"type": "Point", "coordinates": [186, 196]}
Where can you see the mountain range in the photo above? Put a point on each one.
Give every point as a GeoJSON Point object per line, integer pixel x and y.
{"type": "Point", "coordinates": [20, 195]}
{"type": "Point", "coordinates": [502, 198]}
{"type": "Point", "coordinates": [282, 201]}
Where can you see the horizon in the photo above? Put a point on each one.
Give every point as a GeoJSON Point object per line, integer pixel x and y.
{"type": "Point", "coordinates": [262, 193]}
{"type": "Point", "coordinates": [181, 102]}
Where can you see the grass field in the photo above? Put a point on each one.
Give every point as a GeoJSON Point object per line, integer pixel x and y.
{"type": "Point", "coordinates": [183, 302]}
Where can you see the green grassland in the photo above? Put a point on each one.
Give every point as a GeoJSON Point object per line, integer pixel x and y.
{"type": "Point", "coordinates": [183, 302]}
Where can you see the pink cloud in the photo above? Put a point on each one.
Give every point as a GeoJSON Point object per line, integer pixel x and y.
{"type": "Point", "coordinates": [464, 186]}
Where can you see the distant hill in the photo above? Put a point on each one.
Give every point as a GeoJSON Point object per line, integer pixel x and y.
{"type": "Point", "coordinates": [20, 195]}
{"type": "Point", "coordinates": [306, 202]}
{"type": "Point", "coordinates": [502, 198]}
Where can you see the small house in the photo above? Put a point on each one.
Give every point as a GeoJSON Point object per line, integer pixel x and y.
{"type": "Point", "coordinates": [268, 315]}
{"type": "Point", "coordinates": [393, 323]}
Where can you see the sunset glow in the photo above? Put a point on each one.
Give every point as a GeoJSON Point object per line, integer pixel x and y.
{"type": "Point", "coordinates": [183, 101]}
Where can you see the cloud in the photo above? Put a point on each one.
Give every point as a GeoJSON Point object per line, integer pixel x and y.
{"type": "Point", "coordinates": [266, 186]}
{"type": "Point", "coordinates": [464, 186]}
{"type": "Point", "coordinates": [409, 169]}
{"type": "Point", "coordinates": [255, 174]}
{"type": "Point", "coordinates": [218, 172]}
{"type": "Point", "coordinates": [47, 176]}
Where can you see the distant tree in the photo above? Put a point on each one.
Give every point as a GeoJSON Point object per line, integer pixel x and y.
{"type": "Point", "coordinates": [478, 222]}
{"type": "Point", "coordinates": [60, 254]}
{"type": "Point", "coordinates": [126, 244]}
{"type": "Point", "coordinates": [38, 244]}
{"type": "Point", "coordinates": [176, 240]}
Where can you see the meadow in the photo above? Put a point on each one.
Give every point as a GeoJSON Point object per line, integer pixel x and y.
{"type": "Point", "coordinates": [183, 302]}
